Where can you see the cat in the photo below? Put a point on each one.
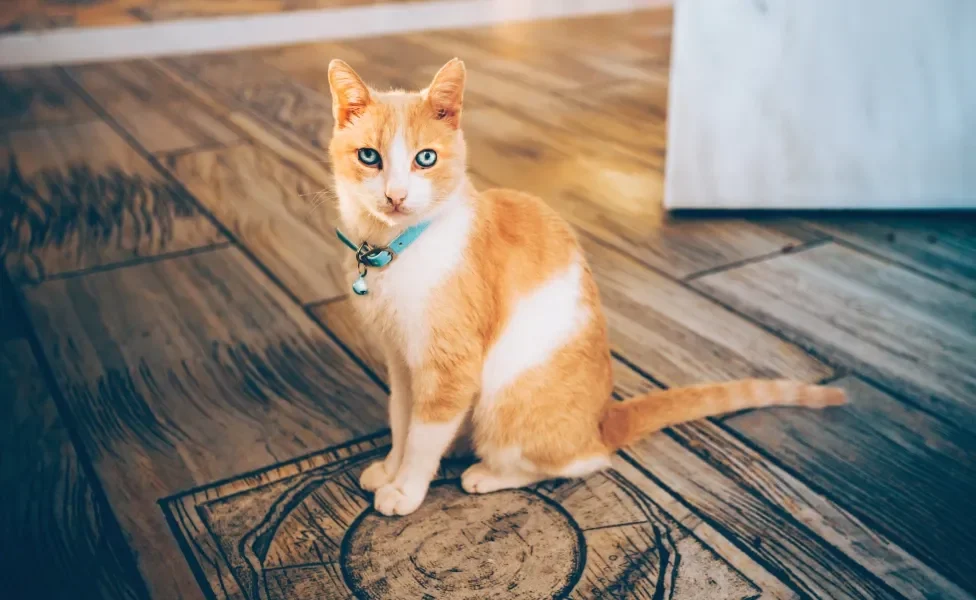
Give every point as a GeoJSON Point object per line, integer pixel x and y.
{"type": "Point", "coordinates": [488, 315]}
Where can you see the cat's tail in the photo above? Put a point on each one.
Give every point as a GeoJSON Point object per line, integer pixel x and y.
{"type": "Point", "coordinates": [626, 422]}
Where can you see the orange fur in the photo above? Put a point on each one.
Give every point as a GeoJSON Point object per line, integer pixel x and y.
{"type": "Point", "coordinates": [554, 418]}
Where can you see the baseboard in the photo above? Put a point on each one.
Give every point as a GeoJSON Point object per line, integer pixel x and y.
{"type": "Point", "coordinates": [167, 38]}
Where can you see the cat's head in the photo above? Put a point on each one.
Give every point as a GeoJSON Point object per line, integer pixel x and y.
{"type": "Point", "coordinates": [397, 155]}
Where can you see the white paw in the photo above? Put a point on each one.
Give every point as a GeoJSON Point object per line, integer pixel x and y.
{"type": "Point", "coordinates": [375, 476]}
{"type": "Point", "coordinates": [478, 479]}
{"type": "Point", "coordinates": [391, 500]}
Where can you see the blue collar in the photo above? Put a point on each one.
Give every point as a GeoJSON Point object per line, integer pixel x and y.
{"type": "Point", "coordinates": [379, 256]}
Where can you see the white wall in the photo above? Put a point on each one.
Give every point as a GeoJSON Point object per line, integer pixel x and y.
{"type": "Point", "coordinates": [822, 103]}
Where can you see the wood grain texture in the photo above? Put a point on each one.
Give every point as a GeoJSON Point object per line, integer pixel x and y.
{"type": "Point", "coordinates": [188, 370]}
{"type": "Point", "coordinates": [610, 192]}
{"type": "Point", "coordinates": [57, 537]}
{"type": "Point", "coordinates": [293, 528]}
{"type": "Point", "coordinates": [151, 108]}
{"type": "Point", "coordinates": [591, 164]}
{"type": "Point", "coordinates": [790, 550]}
{"type": "Point", "coordinates": [39, 15]}
{"type": "Point", "coordinates": [939, 245]}
{"type": "Point", "coordinates": [908, 475]}
{"type": "Point", "coordinates": [287, 220]}
{"type": "Point", "coordinates": [887, 323]}
{"type": "Point", "coordinates": [30, 97]}
{"type": "Point", "coordinates": [340, 318]}
{"type": "Point", "coordinates": [789, 497]}
{"type": "Point", "coordinates": [299, 114]}
{"type": "Point", "coordinates": [68, 208]}
{"type": "Point", "coordinates": [680, 337]}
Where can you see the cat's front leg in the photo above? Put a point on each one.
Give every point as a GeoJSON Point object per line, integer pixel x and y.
{"type": "Point", "coordinates": [384, 471]}
{"type": "Point", "coordinates": [440, 404]}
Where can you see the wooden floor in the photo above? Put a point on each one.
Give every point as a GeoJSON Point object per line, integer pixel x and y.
{"type": "Point", "coordinates": [38, 15]}
{"type": "Point", "coordinates": [177, 359]}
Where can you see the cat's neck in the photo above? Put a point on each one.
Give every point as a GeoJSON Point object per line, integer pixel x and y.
{"type": "Point", "coordinates": [362, 226]}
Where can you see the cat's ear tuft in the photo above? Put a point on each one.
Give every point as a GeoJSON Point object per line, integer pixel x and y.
{"type": "Point", "coordinates": [350, 96]}
{"type": "Point", "coordinates": [446, 92]}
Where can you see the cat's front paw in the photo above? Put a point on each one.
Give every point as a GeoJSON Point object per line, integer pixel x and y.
{"type": "Point", "coordinates": [391, 500]}
{"type": "Point", "coordinates": [375, 476]}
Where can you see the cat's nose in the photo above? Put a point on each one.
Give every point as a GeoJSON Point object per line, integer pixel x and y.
{"type": "Point", "coordinates": [395, 196]}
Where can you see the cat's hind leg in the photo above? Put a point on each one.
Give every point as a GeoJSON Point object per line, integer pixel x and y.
{"type": "Point", "coordinates": [479, 478]}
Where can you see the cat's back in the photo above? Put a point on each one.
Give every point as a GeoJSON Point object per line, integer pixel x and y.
{"type": "Point", "coordinates": [516, 229]}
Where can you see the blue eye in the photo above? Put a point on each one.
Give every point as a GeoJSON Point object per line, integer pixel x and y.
{"type": "Point", "coordinates": [369, 157]}
{"type": "Point", "coordinates": [426, 158]}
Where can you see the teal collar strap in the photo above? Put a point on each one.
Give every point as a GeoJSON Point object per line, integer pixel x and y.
{"type": "Point", "coordinates": [378, 257]}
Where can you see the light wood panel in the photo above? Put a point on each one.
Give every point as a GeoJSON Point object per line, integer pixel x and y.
{"type": "Point", "coordinates": [283, 217]}
{"type": "Point", "coordinates": [152, 109]}
{"type": "Point", "coordinates": [610, 193]}
{"type": "Point", "coordinates": [680, 337]}
{"type": "Point", "coordinates": [38, 15]}
{"type": "Point", "coordinates": [939, 245]}
{"type": "Point", "coordinates": [909, 475]}
{"type": "Point", "coordinates": [914, 334]}
{"type": "Point", "coordinates": [29, 97]}
{"type": "Point", "coordinates": [184, 371]}
{"type": "Point", "coordinates": [78, 196]}
{"type": "Point", "coordinates": [58, 538]}
{"type": "Point", "coordinates": [288, 108]}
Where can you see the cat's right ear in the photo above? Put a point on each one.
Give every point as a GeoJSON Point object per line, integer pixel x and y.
{"type": "Point", "coordinates": [350, 96]}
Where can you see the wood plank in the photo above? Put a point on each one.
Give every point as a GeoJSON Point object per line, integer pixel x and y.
{"type": "Point", "coordinates": [340, 318]}
{"type": "Point", "coordinates": [57, 536]}
{"type": "Point", "coordinates": [885, 322]}
{"type": "Point", "coordinates": [609, 193]}
{"type": "Point", "coordinates": [786, 495]}
{"type": "Point", "coordinates": [790, 550]}
{"type": "Point", "coordinates": [152, 108]}
{"type": "Point", "coordinates": [711, 538]}
{"type": "Point", "coordinates": [287, 220]}
{"type": "Point", "coordinates": [942, 246]}
{"type": "Point", "coordinates": [311, 515]}
{"type": "Point", "coordinates": [78, 196]}
{"type": "Point", "coordinates": [184, 371]}
{"type": "Point", "coordinates": [909, 475]}
{"type": "Point", "coordinates": [12, 325]}
{"type": "Point", "coordinates": [31, 97]}
{"type": "Point", "coordinates": [681, 337]}
{"type": "Point", "coordinates": [287, 107]}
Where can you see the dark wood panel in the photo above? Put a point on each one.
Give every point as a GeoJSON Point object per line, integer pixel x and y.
{"type": "Point", "coordinates": [915, 334]}
{"type": "Point", "coordinates": [783, 494]}
{"type": "Point", "coordinates": [941, 245]}
{"type": "Point", "coordinates": [187, 370]}
{"type": "Point", "coordinates": [790, 550]}
{"type": "Point", "coordinates": [29, 97]}
{"type": "Point", "coordinates": [151, 108]}
{"type": "Point", "coordinates": [57, 537]}
{"type": "Point", "coordinates": [680, 337]}
{"type": "Point", "coordinates": [909, 475]}
{"type": "Point", "coordinates": [286, 219]}
{"type": "Point", "coordinates": [78, 196]}
{"type": "Point", "coordinates": [340, 318]}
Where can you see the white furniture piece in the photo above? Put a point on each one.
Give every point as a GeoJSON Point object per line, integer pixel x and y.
{"type": "Point", "coordinates": [853, 104]}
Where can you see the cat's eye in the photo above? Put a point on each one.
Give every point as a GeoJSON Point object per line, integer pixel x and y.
{"type": "Point", "coordinates": [369, 157]}
{"type": "Point", "coordinates": [426, 158]}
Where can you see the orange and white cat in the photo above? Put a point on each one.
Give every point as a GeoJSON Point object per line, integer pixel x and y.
{"type": "Point", "coordinates": [490, 321]}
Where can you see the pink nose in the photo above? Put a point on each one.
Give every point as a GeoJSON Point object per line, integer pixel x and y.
{"type": "Point", "coordinates": [395, 197]}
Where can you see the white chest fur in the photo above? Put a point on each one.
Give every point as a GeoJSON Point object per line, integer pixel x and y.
{"type": "Point", "coordinates": [396, 309]}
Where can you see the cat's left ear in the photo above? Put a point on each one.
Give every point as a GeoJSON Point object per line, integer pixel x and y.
{"type": "Point", "coordinates": [446, 92]}
{"type": "Point", "coordinates": [350, 96]}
